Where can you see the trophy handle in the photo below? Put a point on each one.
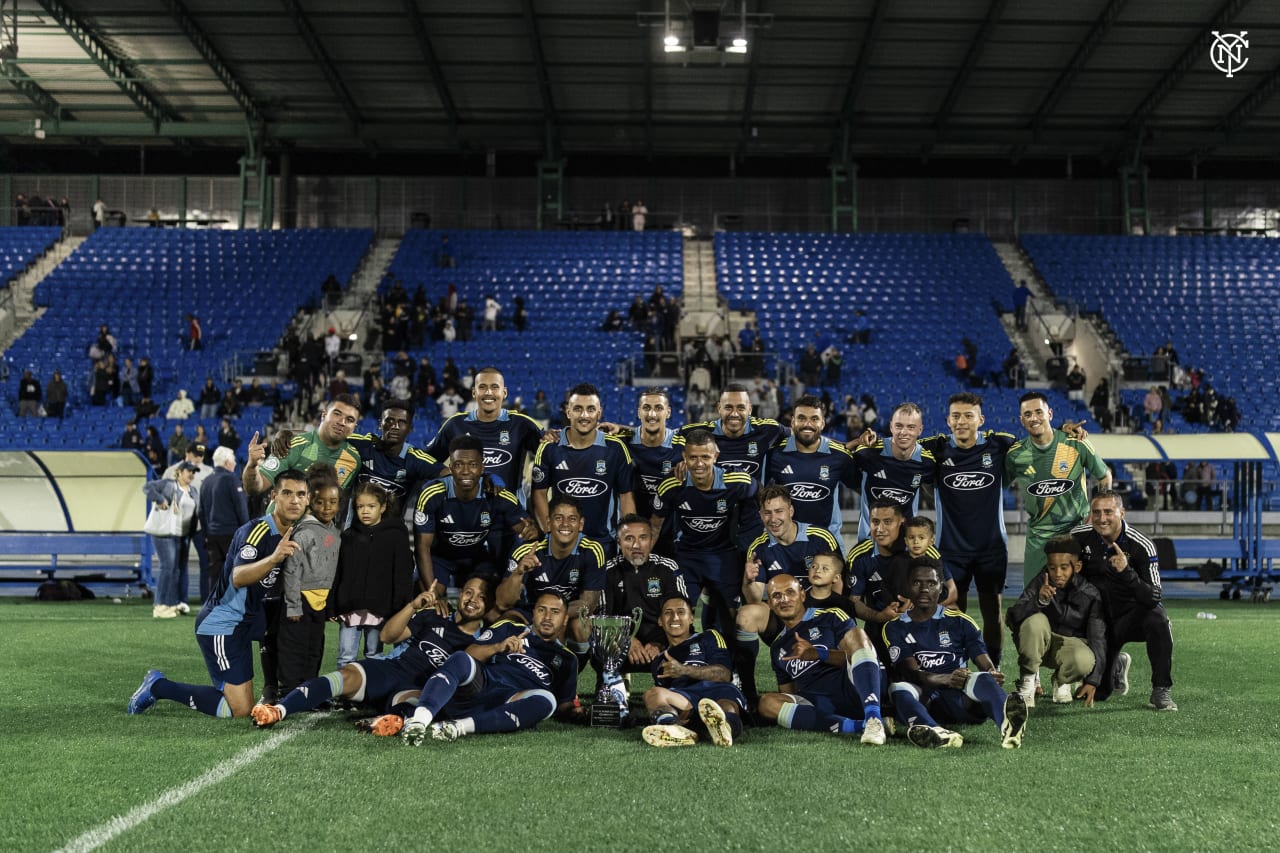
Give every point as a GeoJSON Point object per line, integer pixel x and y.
{"type": "Point", "coordinates": [637, 614]}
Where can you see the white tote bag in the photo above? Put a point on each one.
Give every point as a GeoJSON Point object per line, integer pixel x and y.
{"type": "Point", "coordinates": [164, 522]}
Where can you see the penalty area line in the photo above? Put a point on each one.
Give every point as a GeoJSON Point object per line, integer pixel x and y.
{"type": "Point", "coordinates": [100, 835]}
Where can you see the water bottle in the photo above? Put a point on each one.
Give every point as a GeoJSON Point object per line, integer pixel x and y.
{"type": "Point", "coordinates": [1203, 614]}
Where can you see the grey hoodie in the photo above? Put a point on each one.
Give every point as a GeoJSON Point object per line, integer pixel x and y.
{"type": "Point", "coordinates": [308, 573]}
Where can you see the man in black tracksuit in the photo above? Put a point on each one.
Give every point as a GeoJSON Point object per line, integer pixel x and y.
{"type": "Point", "coordinates": [639, 578]}
{"type": "Point", "coordinates": [1122, 563]}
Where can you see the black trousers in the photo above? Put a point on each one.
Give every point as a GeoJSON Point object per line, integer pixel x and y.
{"type": "Point", "coordinates": [217, 547]}
{"type": "Point", "coordinates": [299, 649]}
{"type": "Point", "coordinates": [1140, 625]}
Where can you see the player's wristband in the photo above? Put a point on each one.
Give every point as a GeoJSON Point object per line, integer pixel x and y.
{"type": "Point", "coordinates": [823, 653]}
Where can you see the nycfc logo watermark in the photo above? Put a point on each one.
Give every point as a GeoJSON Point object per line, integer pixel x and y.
{"type": "Point", "coordinates": [1227, 52]}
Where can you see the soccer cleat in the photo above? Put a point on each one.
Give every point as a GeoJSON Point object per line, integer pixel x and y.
{"type": "Point", "coordinates": [445, 730]}
{"type": "Point", "coordinates": [415, 732]}
{"type": "Point", "coordinates": [142, 699]}
{"type": "Point", "coordinates": [1015, 722]}
{"type": "Point", "coordinates": [717, 724]}
{"type": "Point", "coordinates": [934, 737]}
{"type": "Point", "coordinates": [1120, 674]}
{"type": "Point", "coordinates": [365, 724]}
{"type": "Point", "coordinates": [265, 716]}
{"type": "Point", "coordinates": [388, 725]}
{"type": "Point", "coordinates": [1027, 690]}
{"type": "Point", "coordinates": [183, 608]}
{"type": "Point", "coordinates": [873, 732]}
{"type": "Point", "coordinates": [671, 735]}
{"type": "Point", "coordinates": [1063, 694]}
{"type": "Point", "coordinates": [1161, 700]}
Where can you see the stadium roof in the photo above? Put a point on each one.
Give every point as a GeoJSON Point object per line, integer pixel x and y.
{"type": "Point", "coordinates": [917, 78]}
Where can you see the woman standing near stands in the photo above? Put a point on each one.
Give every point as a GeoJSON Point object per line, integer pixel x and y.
{"type": "Point", "coordinates": [178, 496]}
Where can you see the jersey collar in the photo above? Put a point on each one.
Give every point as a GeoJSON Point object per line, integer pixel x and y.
{"type": "Point", "coordinates": [503, 415]}
{"type": "Point", "coordinates": [790, 446]}
{"type": "Point", "coordinates": [667, 435]}
{"type": "Point", "coordinates": [718, 425]}
{"type": "Point", "coordinates": [716, 483]}
{"type": "Point", "coordinates": [564, 438]}
{"type": "Point", "coordinates": [937, 614]}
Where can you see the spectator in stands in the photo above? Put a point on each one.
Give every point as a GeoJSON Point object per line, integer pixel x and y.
{"type": "Point", "coordinates": [1229, 415]}
{"type": "Point", "coordinates": [1100, 399]}
{"type": "Point", "coordinates": [113, 380]}
{"type": "Point", "coordinates": [491, 308]}
{"type": "Point", "coordinates": [1021, 296]}
{"type": "Point", "coordinates": [129, 383]}
{"type": "Point", "coordinates": [99, 383]}
{"type": "Point", "coordinates": [833, 359]}
{"type": "Point", "coordinates": [146, 377]}
{"type": "Point", "coordinates": [148, 408]}
{"type": "Point", "coordinates": [638, 214]}
{"type": "Point", "coordinates": [104, 345]}
{"type": "Point", "coordinates": [1015, 374]}
{"type": "Point", "coordinates": [64, 215]}
{"type": "Point", "coordinates": [154, 449]}
{"type": "Point", "coordinates": [195, 334]}
{"type": "Point", "coordinates": [520, 316]}
{"type": "Point", "coordinates": [29, 396]}
{"type": "Point", "coordinates": [223, 509]}
{"type": "Point", "coordinates": [1206, 486]}
{"type": "Point", "coordinates": [464, 318]}
{"type": "Point", "coordinates": [444, 258]}
{"type": "Point", "coordinates": [1152, 405]}
{"type": "Point", "coordinates": [332, 346]}
{"type": "Point", "coordinates": [638, 314]}
{"type": "Point", "coordinates": [181, 408]}
{"type": "Point", "coordinates": [22, 211]}
{"type": "Point", "coordinates": [450, 402]}
{"type": "Point", "coordinates": [201, 439]}
{"type": "Point", "coordinates": [178, 444]}
{"type": "Point", "coordinates": [810, 366]}
{"type": "Point", "coordinates": [1075, 383]}
{"type": "Point", "coordinates": [852, 418]}
{"type": "Point", "coordinates": [172, 550]}
{"type": "Point", "coordinates": [337, 385]}
{"type": "Point", "coordinates": [449, 373]}
{"type": "Point", "coordinates": [208, 400]}
{"type": "Point", "coordinates": [861, 327]}
{"type": "Point", "coordinates": [230, 406]}
{"type": "Point", "coordinates": [131, 439]}
{"type": "Point", "coordinates": [99, 214]}
{"type": "Point", "coordinates": [1168, 352]}
{"type": "Point", "coordinates": [55, 396]}
{"type": "Point", "coordinates": [613, 322]}
{"type": "Point", "coordinates": [540, 411]}
{"type": "Point", "coordinates": [228, 437]}
{"type": "Point", "coordinates": [870, 416]}
{"type": "Point", "coordinates": [1161, 477]}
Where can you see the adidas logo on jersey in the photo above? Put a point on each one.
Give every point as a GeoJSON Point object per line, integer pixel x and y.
{"type": "Point", "coordinates": [448, 519]}
{"type": "Point", "coordinates": [542, 578]}
{"type": "Point", "coordinates": [685, 506]}
{"type": "Point", "coordinates": [947, 463]}
{"type": "Point", "coordinates": [439, 631]}
{"type": "Point", "coordinates": [881, 475]}
{"type": "Point", "coordinates": [786, 470]}
{"type": "Point", "coordinates": [563, 466]}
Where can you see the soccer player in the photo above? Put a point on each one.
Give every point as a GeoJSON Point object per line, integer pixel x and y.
{"type": "Point", "coordinates": [813, 467]}
{"type": "Point", "coordinates": [1122, 563]}
{"type": "Point", "coordinates": [918, 533]}
{"type": "Point", "coordinates": [513, 677]}
{"type": "Point", "coordinates": [462, 528]}
{"type": "Point", "coordinates": [828, 675]}
{"type": "Point", "coordinates": [930, 648]}
{"type": "Point", "coordinates": [695, 671]}
{"type": "Point", "coordinates": [585, 464]}
{"type": "Point", "coordinates": [1059, 620]}
{"type": "Point", "coordinates": [565, 563]}
{"type": "Point", "coordinates": [393, 680]}
{"type": "Point", "coordinates": [894, 470]}
{"type": "Point", "coordinates": [1051, 470]}
{"type": "Point", "coordinates": [232, 617]}
{"type": "Point", "coordinates": [786, 547]}
{"type": "Point", "coordinates": [327, 443]}
{"type": "Point", "coordinates": [639, 578]}
{"type": "Point", "coordinates": [656, 449]}
{"type": "Point", "coordinates": [388, 460]}
{"type": "Point", "coordinates": [509, 437]}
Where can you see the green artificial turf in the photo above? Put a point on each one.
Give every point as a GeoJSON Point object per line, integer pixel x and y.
{"type": "Point", "coordinates": [1117, 777]}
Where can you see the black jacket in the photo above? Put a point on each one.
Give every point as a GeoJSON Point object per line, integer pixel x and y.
{"type": "Point", "coordinates": [1137, 587]}
{"type": "Point", "coordinates": [1074, 612]}
{"type": "Point", "coordinates": [375, 568]}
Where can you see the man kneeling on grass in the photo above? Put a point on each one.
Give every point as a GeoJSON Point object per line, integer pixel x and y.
{"type": "Point", "coordinates": [695, 670]}
{"type": "Point", "coordinates": [233, 616]}
{"type": "Point", "coordinates": [394, 681]}
{"type": "Point", "coordinates": [512, 678]}
{"type": "Point", "coordinates": [929, 647]}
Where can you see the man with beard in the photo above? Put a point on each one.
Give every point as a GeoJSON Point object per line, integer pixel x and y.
{"type": "Point", "coordinates": [327, 443]}
{"type": "Point", "coordinates": [813, 468]}
{"type": "Point", "coordinates": [655, 447]}
{"type": "Point", "coordinates": [390, 461]}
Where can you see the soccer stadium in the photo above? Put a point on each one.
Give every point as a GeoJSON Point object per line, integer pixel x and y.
{"type": "Point", "coordinates": [639, 425]}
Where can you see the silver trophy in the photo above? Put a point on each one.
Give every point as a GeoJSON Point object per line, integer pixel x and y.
{"type": "Point", "coordinates": [610, 639]}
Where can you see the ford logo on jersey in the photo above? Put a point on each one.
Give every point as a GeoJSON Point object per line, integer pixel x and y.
{"type": "Point", "coordinates": [434, 653]}
{"type": "Point", "coordinates": [935, 660]}
{"type": "Point", "coordinates": [496, 457]}
{"type": "Point", "coordinates": [651, 483]}
{"type": "Point", "coordinates": [902, 496]}
{"type": "Point", "coordinates": [533, 665]}
{"type": "Point", "coordinates": [465, 538]}
{"type": "Point", "coordinates": [746, 467]}
{"type": "Point", "coordinates": [704, 525]}
{"type": "Point", "coordinates": [797, 667]}
{"type": "Point", "coordinates": [1050, 488]}
{"type": "Point", "coordinates": [809, 492]}
{"type": "Point", "coordinates": [968, 481]}
{"type": "Point", "coordinates": [582, 487]}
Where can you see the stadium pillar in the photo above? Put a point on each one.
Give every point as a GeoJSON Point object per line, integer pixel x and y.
{"type": "Point", "coordinates": [7, 219]}
{"type": "Point", "coordinates": [1133, 194]}
{"type": "Point", "coordinates": [182, 201]}
{"type": "Point", "coordinates": [288, 192]}
{"type": "Point", "coordinates": [253, 187]}
{"type": "Point", "coordinates": [844, 197]}
{"type": "Point", "coordinates": [550, 193]}
{"type": "Point", "coordinates": [375, 214]}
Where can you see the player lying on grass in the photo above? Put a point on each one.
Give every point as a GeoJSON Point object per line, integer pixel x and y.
{"type": "Point", "coordinates": [514, 677]}
{"type": "Point", "coordinates": [828, 676]}
{"type": "Point", "coordinates": [424, 640]}
{"type": "Point", "coordinates": [929, 647]}
{"type": "Point", "coordinates": [696, 670]}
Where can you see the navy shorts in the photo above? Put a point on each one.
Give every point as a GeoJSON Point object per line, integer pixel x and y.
{"type": "Point", "coordinates": [845, 703]}
{"type": "Point", "coordinates": [950, 705]}
{"type": "Point", "coordinates": [713, 571]}
{"type": "Point", "coordinates": [987, 570]}
{"type": "Point", "coordinates": [384, 677]}
{"type": "Point", "coordinates": [228, 657]}
{"type": "Point", "coordinates": [714, 690]}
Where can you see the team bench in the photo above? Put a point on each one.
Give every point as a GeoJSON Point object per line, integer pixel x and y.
{"type": "Point", "coordinates": [1235, 576]}
{"type": "Point", "coordinates": [27, 557]}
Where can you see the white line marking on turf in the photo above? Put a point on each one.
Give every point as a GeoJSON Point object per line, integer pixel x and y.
{"type": "Point", "coordinates": [100, 835]}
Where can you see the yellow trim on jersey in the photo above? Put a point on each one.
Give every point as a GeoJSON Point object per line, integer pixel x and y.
{"type": "Point", "coordinates": [720, 643]}
{"type": "Point", "coordinates": [594, 547]}
{"type": "Point", "coordinates": [947, 611]}
{"type": "Point", "coordinates": [423, 455]}
{"type": "Point", "coordinates": [507, 622]}
{"type": "Point", "coordinates": [858, 550]}
{"type": "Point", "coordinates": [838, 611]}
{"type": "Point", "coordinates": [299, 439]}
{"type": "Point", "coordinates": [625, 453]}
{"type": "Point", "coordinates": [677, 440]}
{"type": "Point", "coordinates": [669, 484]}
{"type": "Point", "coordinates": [736, 477]}
{"type": "Point", "coordinates": [933, 552]}
{"type": "Point", "coordinates": [507, 494]}
{"type": "Point", "coordinates": [433, 488]}
{"type": "Point", "coordinates": [537, 454]}
{"type": "Point", "coordinates": [824, 533]}
{"type": "Point", "coordinates": [838, 447]}
{"type": "Point", "coordinates": [256, 535]}
{"type": "Point", "coordinates": [761, 540]}
{"type": "Point", "coordinates": [527, 548]}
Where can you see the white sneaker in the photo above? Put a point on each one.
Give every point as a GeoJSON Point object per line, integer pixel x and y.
{"type": "Point", "coordinates": [1063, 694]}
{"type": "Point", "coordinates": [1027, 690]}
{"type": "Point", "coordinates": [183, 608]}
{"type": "Point", "coordinates": [446, 730]}
{"type": "Point", "coordinates": [163, 611]}
{"type": "Point", "coordinates": [668, 735]}
{"type": "Point", "coordinates": [873, 732]}
{"type": "Point", "coordinates": [1120, 675]}
{"type": "Point", "coordinates": [414, 732]}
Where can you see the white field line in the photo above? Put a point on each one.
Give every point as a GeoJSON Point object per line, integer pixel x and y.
{"type": "Point", "coordinates": [100, 835]}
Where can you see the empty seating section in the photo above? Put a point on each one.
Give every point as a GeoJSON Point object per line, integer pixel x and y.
{"type": "Point", "coordinates": [922, 294]}
{"type": "Point", "coordinates": [1216, 298]}
{"type": "Point", "coordinates": [569, 281]}
{"type": "Point", "coordinates": [20, 246]}
{"type": "Point", "coordinates": [142, 282]}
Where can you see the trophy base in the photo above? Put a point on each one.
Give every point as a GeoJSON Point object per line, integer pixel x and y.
{"type": "Point", "coordinates": [608, 715]}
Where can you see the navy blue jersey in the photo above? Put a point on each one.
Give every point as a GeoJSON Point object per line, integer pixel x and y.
{"type": "Point", "coordinates": [943, 643]}
{"type": "Point", "coordinates": [748, 452]}
{"type": "Point", "coordinates": [595, 476]}
{"type": "Point", "coordinates": [432, 638]}
{"type": "Point", "coordinates": [653, 465]}
{"type": "Point", "coordinates": [794, 559]}
{"type": "Point", "coordinates": [401, 475]}
{"type": "Point", "coordinates": [814, 480]}
{"type": "Point", "coordinates": [822, 628]}
{"type": "Point", "coordinates": [581, 570]}
{"type": "Point", "coordinates": [970, 490]}
{"type": "Point", "coordinates": [878, 579]}
{"type": "Point", "coordinates": [701, 520]}
{"type": "Point", "coordinates": [540, 665]}
{"type": "Point", "coordinates": [474, 530]}
{"type": "Point", "coordinates": [881, 475]}
{"type": "Point", "coordinates": [508, 442]}
{"type": "Point", "coordinates": [228, 606]}
{"type": "Point", "coordinates": [707, 648]}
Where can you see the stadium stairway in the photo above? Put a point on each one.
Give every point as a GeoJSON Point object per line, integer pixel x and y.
{"type": "Point", "coordinates": [24, 285]}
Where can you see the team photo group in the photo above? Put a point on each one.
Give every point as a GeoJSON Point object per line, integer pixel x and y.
{"type": "Point", "coordinates": [474, 579]}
